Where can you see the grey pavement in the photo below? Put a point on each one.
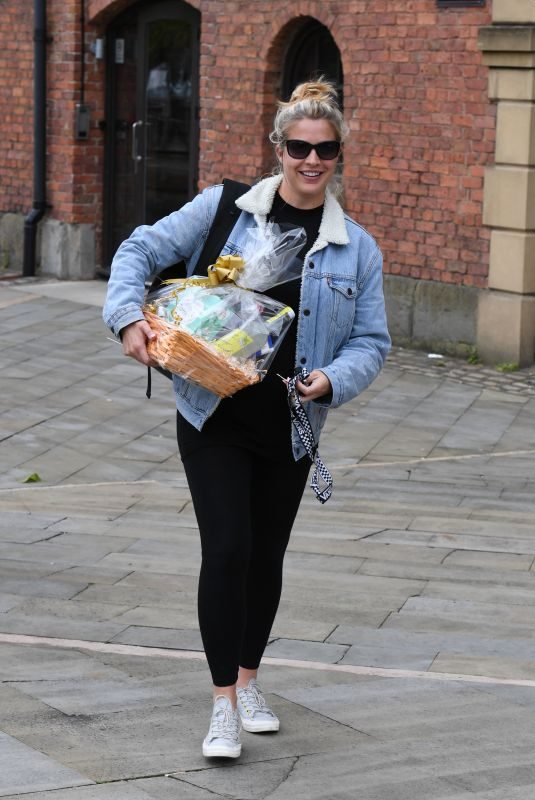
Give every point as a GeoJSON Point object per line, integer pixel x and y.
{"type": "Point", "coordinates": [402, 660]}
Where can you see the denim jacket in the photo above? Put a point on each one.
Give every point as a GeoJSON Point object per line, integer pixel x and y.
{"type": "Point", "coordinates": [341, 321]}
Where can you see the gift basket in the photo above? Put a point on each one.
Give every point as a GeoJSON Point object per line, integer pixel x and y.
{"type": "Point", "coordinates": [219, 331]}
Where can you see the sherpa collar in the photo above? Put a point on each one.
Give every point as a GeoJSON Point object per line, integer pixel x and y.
{"type": "Point", "coordinates": [259, 200]}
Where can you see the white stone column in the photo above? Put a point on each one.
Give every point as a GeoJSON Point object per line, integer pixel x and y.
{"type": "Point", "coordinates": [506, 312]}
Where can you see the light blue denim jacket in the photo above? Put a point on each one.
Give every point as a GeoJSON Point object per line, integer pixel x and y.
{"type": "Point", "coordinates": [341, 319]}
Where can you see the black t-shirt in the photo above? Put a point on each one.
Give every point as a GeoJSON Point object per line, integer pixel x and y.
{"type": "Point", "coordinates": [258, 417]}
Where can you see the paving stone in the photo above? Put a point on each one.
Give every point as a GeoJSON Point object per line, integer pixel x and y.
{"type": "Point", "coordinates": [474, 527]}
{"type": "Point", "coordinates": [468, 609]}
{"type": "Point", "coordinates": [474, 574]}
{"type": "Point", "coordinates": [158, 617]}
{"type": "Point", "coordinates": [41, 587]}
{"type": "Point", "coordinates": [132, 596]}
{"type": "Point", "coordinates": [290, 627]}
{"type": "Point", "coordinates": [160, 637]}
{"type": "Point", "coordinates": [314, 562]}
{"type": "Point", "coordinates": [65, 609]}
{"type": "Point", "coordinates": [445, 623]}
{"type": "Point", "coordinates": [248, 781]}
{"type": "Point", "coordinates": [498, 561]}
{"type": "Point", "coordinates": [96, 692]}
{"type": "Point", "coordinates": [161, 581]}
{"type": "Point", "coordinates": [30, 663]}
{"type": "Point", "coordinates": [305, 651]}
{"type": "Point", "coordinates": [497, 544]}
{"type": "Point", "coordinates": [97, 545]}
{"type": "Point", "coordinates": [491, 666]}
{"type": "Point", "coordinates": [362, 611]}
{"type": "Point", "coordinates": [172, 788]}
{"type": "Point", "coordinates": [508, 595]}
{"type": "Point", "coordinates": [88, 574]}
{"type": "Point", "coordinates": [366, 548]}
{"type": "Point", "coordinates": [13, 568]}
{"type": "Point", "coordinates": [26, 521]}
{"type": "Point", "coordinates": [111, 469]}
{"type": "Point", "coordinates": [136, 562]}
{"type": "Point", "coordinates": [57, 627]}
{"type": "Point", "coordinates": [23, 770]}
{"type": "Point", "coordinates": [415, 710]}
{"type": "Point", "coordinates": [313, 776]}
{"type": "Point", "coordinates": [8, 601]}
{"type": "Point", "coordinates": [390, 658]}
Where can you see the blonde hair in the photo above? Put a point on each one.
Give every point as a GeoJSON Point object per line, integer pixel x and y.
{"type": "Point", "coordinates": [316, 99]}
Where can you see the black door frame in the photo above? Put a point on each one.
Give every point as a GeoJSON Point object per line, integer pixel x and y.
{"type": "Point", "coordinates": [147, 11]}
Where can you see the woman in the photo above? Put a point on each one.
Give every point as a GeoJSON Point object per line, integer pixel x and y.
{"type": "Point", "coordinates": [245, 470]}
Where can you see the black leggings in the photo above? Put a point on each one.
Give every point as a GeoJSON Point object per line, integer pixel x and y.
{"type": "Point", "coordinates": [245, 507]}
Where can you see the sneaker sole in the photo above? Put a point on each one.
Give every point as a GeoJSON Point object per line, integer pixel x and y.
{"type": "Point", "coordinates": [220, 752]}
{"type": "Point", "coordinates": [260, 727]}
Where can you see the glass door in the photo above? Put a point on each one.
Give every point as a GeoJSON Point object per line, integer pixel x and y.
{"type": "Point", "coordinates": [152, 113]}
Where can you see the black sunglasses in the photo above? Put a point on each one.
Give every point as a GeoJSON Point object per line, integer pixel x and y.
{"type": "Point", "coordinates": [297, 148]}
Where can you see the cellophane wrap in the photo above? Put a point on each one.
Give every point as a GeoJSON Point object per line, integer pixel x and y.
{"type": "Point", "coordinates": [220, 332]}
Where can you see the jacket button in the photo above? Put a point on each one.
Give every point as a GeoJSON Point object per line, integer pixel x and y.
{"type": "Point", "coordinates": [303, 360]}
{"type": "Point", "coordinates": [311, 264]}
{"type": "Point", "coordinates": [349, 292]}
{"type": "Point", "coordinates": [306, 312]}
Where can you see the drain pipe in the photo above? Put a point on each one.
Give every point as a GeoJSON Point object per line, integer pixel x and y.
{"type": "Point", "coordinates": [39, 140]}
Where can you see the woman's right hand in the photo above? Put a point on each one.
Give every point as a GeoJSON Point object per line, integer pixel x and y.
{"type": "Point", "coordinates": [134, 338]}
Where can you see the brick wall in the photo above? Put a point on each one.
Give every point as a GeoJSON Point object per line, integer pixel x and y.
{"type": "Point", "coordinates": [16, 99]}
{"type": "Point", "coordinates": [415, 94]}
{"type": "Point", "coordinates": [75, 168]}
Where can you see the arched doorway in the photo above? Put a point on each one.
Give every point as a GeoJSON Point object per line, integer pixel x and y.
{"type": "Point", "coordinates": [151, 116]}
{"type": "Point", "coordinates": [311, 53]}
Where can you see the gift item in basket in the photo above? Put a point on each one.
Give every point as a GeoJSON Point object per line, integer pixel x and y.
{"type": "Point", "coordinates": [186, 355]}
{"type": "Point", "coordinates": [226, 339]}
{"type": "Point", "coordinates": [216, 333]}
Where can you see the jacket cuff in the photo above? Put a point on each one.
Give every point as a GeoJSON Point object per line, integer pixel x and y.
{"type": "Point", "coordinates": [337, 390]}
{"type": "Point", "coordinates": [326, 400]}
{"type": "Point", "coordinates": [124, 316]}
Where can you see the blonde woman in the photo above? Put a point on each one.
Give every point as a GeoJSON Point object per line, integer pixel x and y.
{"type": "Point", "coordinates": [246, 467]}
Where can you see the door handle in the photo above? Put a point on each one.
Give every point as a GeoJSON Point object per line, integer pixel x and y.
{"type": "Point", "coordinates": [136, 157]}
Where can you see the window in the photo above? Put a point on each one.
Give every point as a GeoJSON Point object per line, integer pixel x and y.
{"type": "Point", "coordinates": [312, 53]}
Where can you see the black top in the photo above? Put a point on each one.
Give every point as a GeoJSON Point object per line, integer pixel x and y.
{"type": "Point", "coordinates": [257, 417]}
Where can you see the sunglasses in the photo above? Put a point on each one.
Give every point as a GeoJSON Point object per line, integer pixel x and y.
{"type": "Point", "coordinates": [299, 149]}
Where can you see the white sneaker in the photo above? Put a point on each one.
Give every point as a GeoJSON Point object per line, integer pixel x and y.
{"type": "Point", "coordinates": [223, 738]}
{"type": "Point", "coordinates": [255, 716]}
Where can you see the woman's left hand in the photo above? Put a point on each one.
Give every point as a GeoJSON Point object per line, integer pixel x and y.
{"type": "Point", "coordinates": [317, 385]}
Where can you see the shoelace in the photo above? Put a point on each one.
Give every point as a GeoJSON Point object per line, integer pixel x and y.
{"type": "Point", "coordinates": [225, 725]}
{"type": "Point", "coordinates": [304, 429]}
{"type": "Point", "coordinates": [250, 696]}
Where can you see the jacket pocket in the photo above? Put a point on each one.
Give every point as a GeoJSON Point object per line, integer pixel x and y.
{"type": "Point", "coordinates": [343, 295]}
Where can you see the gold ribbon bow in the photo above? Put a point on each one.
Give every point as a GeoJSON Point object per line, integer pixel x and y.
{"type": "Point", "coordinates": [225, 270]}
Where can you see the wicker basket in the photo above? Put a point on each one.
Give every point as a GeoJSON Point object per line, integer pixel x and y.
{"type": "Point", "coordinates": [186, 355]}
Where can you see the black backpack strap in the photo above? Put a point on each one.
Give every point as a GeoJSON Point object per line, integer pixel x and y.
{"type": "Point", "coordinates": [225, 218]}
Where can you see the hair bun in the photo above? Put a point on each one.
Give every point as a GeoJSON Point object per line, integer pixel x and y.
{"type": "Point", "coordinates": [319, 90]}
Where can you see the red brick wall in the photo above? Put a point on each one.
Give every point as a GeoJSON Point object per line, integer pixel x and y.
{"type": "Point", "coordinates": [415, 91]}
{"type": "Point", "coordinates": [75, 168]}
{"type": "Point", "coordinates": [422, 128]}
{"type": "Point", "coordinates": [16, 99]}
{"type": "Point", "coordinates": [422, 134]}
